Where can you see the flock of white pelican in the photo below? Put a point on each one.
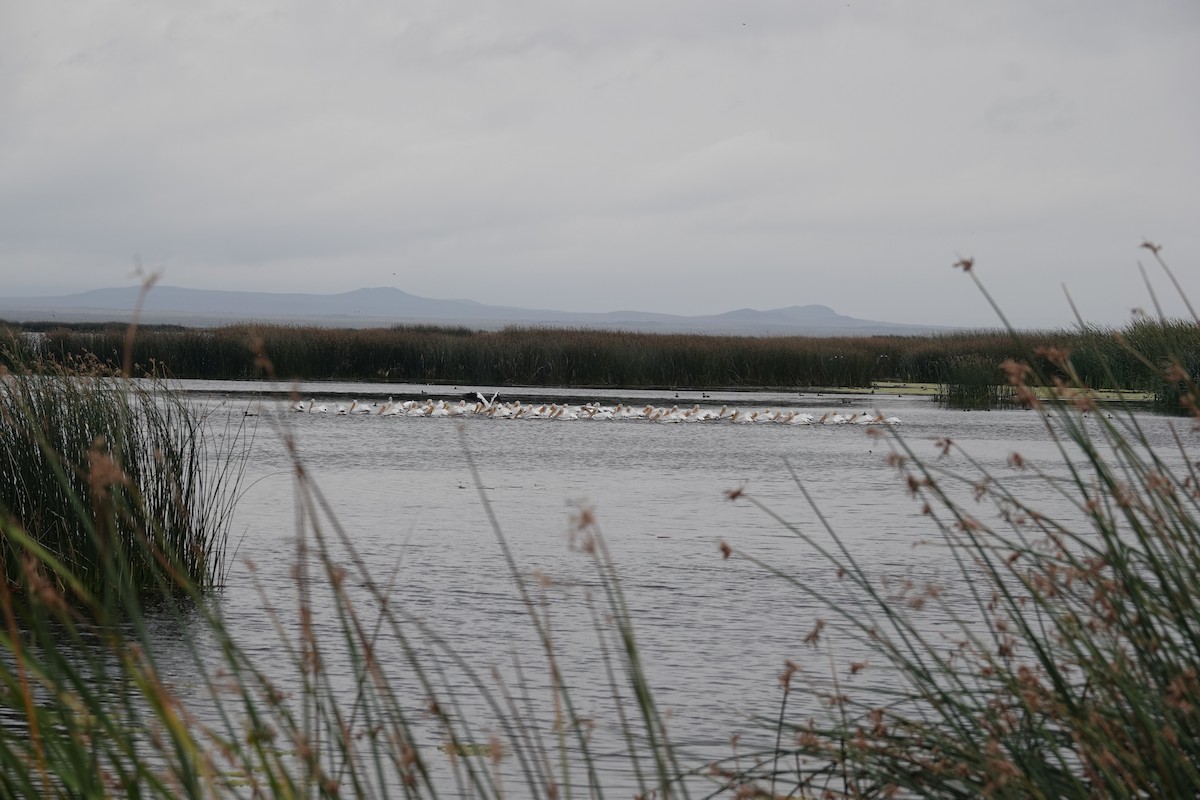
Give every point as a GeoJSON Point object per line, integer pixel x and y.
{"type": "Point", "coordinates": [485, 407]}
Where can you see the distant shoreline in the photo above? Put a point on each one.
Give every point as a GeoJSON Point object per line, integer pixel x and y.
{"type": "Point", "coordinates": [965, 367]}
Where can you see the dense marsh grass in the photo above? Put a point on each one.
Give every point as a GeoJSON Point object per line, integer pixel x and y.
{"type": "Point", "coordinates": [1128, 359]}
{"type": "Point", "coordinates": [16, 347]}
{"type": "Point", "coordinates": [972, 382]}
{"type": "Point", "coordinates": [122, 484]}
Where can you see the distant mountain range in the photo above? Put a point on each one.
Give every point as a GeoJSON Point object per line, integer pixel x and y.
{"type": "Point", "coordinates": [388, 306]}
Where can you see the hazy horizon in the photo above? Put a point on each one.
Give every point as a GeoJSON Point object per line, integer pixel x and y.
{"type": "Point", "coordinates": [383, 306]}
{"type": "Point", "coordinates": [682, 158]}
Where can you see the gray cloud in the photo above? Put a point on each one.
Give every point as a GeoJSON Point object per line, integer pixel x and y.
{"type": "Point", "coordinates": [684, 157]}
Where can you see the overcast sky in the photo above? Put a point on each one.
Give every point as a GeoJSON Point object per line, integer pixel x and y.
{"type": "Point", "coordinates": [682, 156]}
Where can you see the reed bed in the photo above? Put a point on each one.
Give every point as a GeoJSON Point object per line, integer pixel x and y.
{"type": "Point", "coordinates": [121, 484]}
{"type": "Point", "coordinates": [973, 382]}
{"type": "Point", "coordinates": [16, 347]}
{"type": "Point", "coordinates": [1129, 359]}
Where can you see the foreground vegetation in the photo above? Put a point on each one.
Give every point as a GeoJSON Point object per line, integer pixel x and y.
{"type": "Point", "coordinates": [122, 484]}
{"type": "Point", "coordinates": [1129, 359]}
{"type": "Point", "coordinates": [1071, 671]}
{"type": "Point", "coordinates": [1070, 668]}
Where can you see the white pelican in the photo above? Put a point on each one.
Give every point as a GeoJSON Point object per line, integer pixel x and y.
{"type": "Point", "coordinates": [594, 410]}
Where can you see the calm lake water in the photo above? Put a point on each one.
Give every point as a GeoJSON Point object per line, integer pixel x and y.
{"type": "Point", "coordinates": [714, 633]}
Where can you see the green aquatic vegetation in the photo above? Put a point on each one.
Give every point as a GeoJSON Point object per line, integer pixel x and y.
{"type": "Point", "coordinates": [121, 483]}
{"type": "Point", "coordinates": [1129, 358]}
{"type": "Point", "coordinates": [973, 382]}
